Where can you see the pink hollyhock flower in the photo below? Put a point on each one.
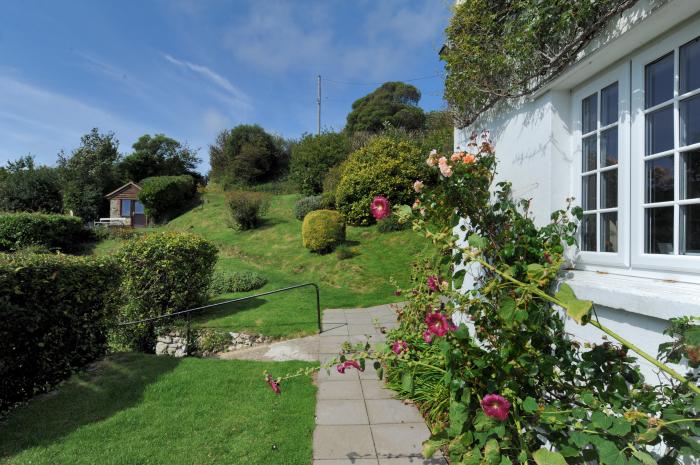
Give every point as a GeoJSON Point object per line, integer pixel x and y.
{"type": "Point", "coordinates": [427, 337]}
{"type": "Point", "coordinates": [399, 347]}
{"type": "Point", "coordinates": [274, 385]}
{"type": "Point", "coordinates": [433, 283]}
{"type": "Point", "coordinates": [456, 156]}
{"type": "Point", "coordinates": [347, 364]}
{"type": "Point", "coordinates": [380, 207]}
{"type": "Point", "coordinates": [495, 406]}
{"type": "Point", "coordinates": [418, 186]}
{"type": "Point", "coordinates": [468, 159]}
{"type": "Point", "coordinates": [438, 324]}
{"type": "Point", "coordinates": [445, 169]}
{"type": "Point", "coordinates": [416, 204]}
{"type": "Point", "coordinates": [430, 161]}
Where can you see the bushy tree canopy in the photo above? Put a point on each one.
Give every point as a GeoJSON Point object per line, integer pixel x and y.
{"type": "Point", "coordinates": [158, 155]}
{"type": "Point", "coordinates": [392, 102]}
{"type": "Point", "coordinates": [313, 156]}
{"type": "Point", "coordinates": [27, 187]}
{"type": "Point", "coordinates": [244, 155]}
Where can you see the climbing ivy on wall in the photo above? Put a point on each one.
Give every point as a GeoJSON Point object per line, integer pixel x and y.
{"type": "Point", "coordinates": [503, 49]}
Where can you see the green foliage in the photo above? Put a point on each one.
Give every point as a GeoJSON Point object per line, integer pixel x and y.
{"type": "Point", "coordinates": [163, 195]}
{"type": "Point", "coordinates": [391, 223]}
{"type": "Point", "coordinates": [313, 156]}
{"type": "Point", "coordinates": [501, 50]}
{"type": "Point", "coordinates": [212, 340]}
{"type": "Point", "coordinates": [238, 281]}
{"type": "Point", "coordinates": [158, 155]}
{"type": "Point", "coordinates": [88, 174]}
{"type": "Point", "coordinates": [163, 272]}
{"type": "Point", "coordinates": [322, 230]}
{"type": "Point", "coordinates": [305, 205]}
{"type": "Point", "coordinates": [20, 230]}
{"type": "Point", "coordinates": [247, 208]}
{"type": "Point", "coordinates": [27, 187]}
{"type": "Point", "coordinates": [245, 155]}
{"type": "Point", "coordinates": [392, 102]}
{"type": "Point", "coordinates": [54, 311]}
{"type": "Point", "coordinates": [383, 167]}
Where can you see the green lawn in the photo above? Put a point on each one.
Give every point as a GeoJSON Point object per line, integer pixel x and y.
{"type": "Point", "coordinates": [143, 409]}
{"type": "Point", "coordinates": [275, 250]}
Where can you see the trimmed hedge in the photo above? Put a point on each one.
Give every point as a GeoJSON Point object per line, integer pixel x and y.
{"type": "Point", "coordinates": [313, 156]}
{"type": "Point", "coordinates": [163, 272]}
{"type": "Point", "coordinates": [239, 281]}
{"type": "Point", "coordinates": [322, 230]}
{"type": "Point", "coordinates": [384, 167]}
{"type": "Point", "coordinates": [54, 310]}
{"type": "Point", "coordinates": [162, 195]}
{"type": "Point", "coordinates": [20, 230]}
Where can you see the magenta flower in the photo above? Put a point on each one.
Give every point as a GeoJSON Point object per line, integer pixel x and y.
{"type": "Point", "coordinates": [438, 324]}
{"type": "Point", "coordinates": [495, 406]}
{"type": "Point", "coordinates": [397, 292]}
{"type": "Point", "coordinates": [427, 336]}
{"type": "Point", "coordinates": [433, 283]}
{"type": "Point", "coordinates": [399, 347]}
{"type": "Point", "coordinates": [380, 207]}
{"type": "Point", "coordinates": [347, 364]}
{"type": "Point", "coordinates": [274, 385]}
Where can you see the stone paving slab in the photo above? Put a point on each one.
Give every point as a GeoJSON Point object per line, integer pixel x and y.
{"type": "Point", "coordinates": [340, 390]}
{"type": "Point", "coordinates": [341, 412]}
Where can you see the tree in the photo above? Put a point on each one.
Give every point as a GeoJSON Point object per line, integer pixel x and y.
{"type": "Point", "coordinates": [313, 156]}
{"type": "Point", "coordinates": [27, 187]}
{"type": "Point", "coordinates": [244, 155]}
{"type": "Point", "coordinates": [393, 102]}
{"type": "Point", "coordinates": [158, 155]}
{"type": "Point", "coordinates": [89, 173]}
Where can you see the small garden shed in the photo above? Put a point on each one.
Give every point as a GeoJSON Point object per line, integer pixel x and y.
{"type": "Point", "coordinates": [125, 205]}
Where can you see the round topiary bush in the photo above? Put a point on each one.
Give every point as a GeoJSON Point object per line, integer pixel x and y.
{"type": "Point", "coordinates": [323, 230]}
{"type": "Point", "coordinates": [385, 167]}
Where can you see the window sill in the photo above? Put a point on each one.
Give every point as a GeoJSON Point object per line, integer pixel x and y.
{"type": "Point", "coordinates": [650, 297]}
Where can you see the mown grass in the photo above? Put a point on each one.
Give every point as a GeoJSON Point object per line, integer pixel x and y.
{"type": "Point", "coordinates": [143, 409]}
{"type": "Point", "coordinates": [275, 251]}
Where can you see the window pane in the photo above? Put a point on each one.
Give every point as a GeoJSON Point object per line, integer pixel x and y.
{"type": "Point", "coordinates": [690, 175]}
{"type": "Point", "coordinates": [659, 179]}
{"type": "Point", "coordinates": [588, 236]}
{"type": "Point", "coordinates": [138, 208]}
{"type": "Point", "coordinates": [689, 62]}
{"type": "Point", "coordinates": [590, 153]}
{"type": "Point", "coordinates": [690, 229]}
{"type": "Point", "coordinates": [659, 81]}
{"type": "Point", "coordinates": [659, 131]}
{"type": "Point", "coordinates": [608, 147]}
{"type": "Point", "coordinates": [659, 230]}
{"type": "Point", "coordinates": [608, 189]}
{"type": "Point", "coordinates": [690, 120]}
{"type": "Point", "coordinates": [608, 105]}
{"type": "Point", "coordinates": [608, 232]}
{"type": "Point", "coordinates": [589, 116]}
{"type": "Point", "coordinates": [126, 207]}
{"type": "Point", "coordinates": [589, 192]}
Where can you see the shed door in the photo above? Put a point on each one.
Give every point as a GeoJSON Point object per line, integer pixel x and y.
{"type": "Point", "coordinates": [138, 218]}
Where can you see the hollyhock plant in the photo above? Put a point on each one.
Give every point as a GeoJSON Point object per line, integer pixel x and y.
{"type": "Point", "coordinates": [399, 347]}
{"type": "Point", "coordinates": [347, 364]}
{"type": "Point", "coordinates": [468, 159]}
{"type": "Point", "coordinates": [495, 406]}
{"type": "Point", "coordinates": [433, 283]}
{"type": "Point", "coordinates": [274, 385]}
{"type": "Point", "coordinates": [427, 336]}
{"type": "Point", "coordinates": [438, 324]}
{"type": "Point", "coordinates": [418, 186]}
{"type": "Point", "coordinates": [380, 207]}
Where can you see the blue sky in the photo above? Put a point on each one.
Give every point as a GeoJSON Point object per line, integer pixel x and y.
{"type": "Point", "coordinates": [190, 68]}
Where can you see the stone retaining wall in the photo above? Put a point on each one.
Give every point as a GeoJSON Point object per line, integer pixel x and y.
{"type": "Point", "coordinates": [175, 344]}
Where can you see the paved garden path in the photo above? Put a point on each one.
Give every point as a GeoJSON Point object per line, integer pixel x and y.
{"type": "Point", "coordinates": [358, 421]}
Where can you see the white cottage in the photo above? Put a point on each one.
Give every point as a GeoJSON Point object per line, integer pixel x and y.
{"type": "Point", "coordinates": [619, 130]}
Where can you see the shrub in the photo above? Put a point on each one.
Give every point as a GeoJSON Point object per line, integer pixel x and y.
{"type": "Point", "coordinates": [54, 311]}
{"type": "Point", "coordinates": [247, 208]}
{"type": "Point", "coordinates": [322, 230]}
{"type": "Point", "coordinates": [391, 223]}
{"type": "Point", "coordinates": [383, 167]}
{"type": "Point", "coordinates": [305, 205]}
{"type": "Point", "coordinates": [19, 230]}
{"type": "Point", "coordinates": [313, 156]}
{"type": "Point", "coordinates": [163, 273]}
{"type": "Point", "coordinates": [239, 281]}
{"type": "Point", "coordinates": [161, 195]}
{"type": "Point", "coordinates": [211, 340]}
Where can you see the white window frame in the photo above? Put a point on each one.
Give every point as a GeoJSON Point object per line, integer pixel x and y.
{"type": "Point", "coordinates": [640, 259]}
{"type": "Point", "coordinates": [620, 74]}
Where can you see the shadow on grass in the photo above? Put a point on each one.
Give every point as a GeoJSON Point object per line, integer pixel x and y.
{"type": "Point", "coordinates": [227, 309]}
{"type": "Point", "coordinates": [106, 388]}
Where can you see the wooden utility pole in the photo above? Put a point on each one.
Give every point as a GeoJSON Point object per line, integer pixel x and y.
{"type": "Point", "coordinates": [318, 104]}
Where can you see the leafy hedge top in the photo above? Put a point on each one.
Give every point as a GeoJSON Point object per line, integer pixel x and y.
{"type": "Point", "coordinates": [163, 194]}
{"type": "Point", "coordinates": [19, 230]}
{"type": "Point", "coordinates": [506, 49]}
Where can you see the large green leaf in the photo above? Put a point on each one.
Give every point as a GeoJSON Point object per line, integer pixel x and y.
{"type": "Point", "coordinates": [492, 453]}
{"type": "Point", "coordinates": [579, 310]}
{"type": "Point", "coordinates": [645, 458]}
{"type": "Point", "coordinates": [547, 457]}
{"type": "Point", "coordinates": [458, 416]}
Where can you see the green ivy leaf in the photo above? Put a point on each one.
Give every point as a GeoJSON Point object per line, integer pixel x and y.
{"type": "Point", "coordinates": [529, 404]}
{"type": "Point", "coordinates": [547, 457]}
{"type": "Point", "coordinates": [579, 310]}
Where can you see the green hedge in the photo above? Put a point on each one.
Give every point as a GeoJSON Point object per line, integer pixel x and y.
{"type": "Point", "coordinates": [54, 312]}
{"type": "Point", "coordinates": [313, 156]}
{"type": "Point", "coordinates": [322, 230]}
{"type": "Point", "coordinates": [162, 195]}
{"type": "Point", "coordinates": [163, 273]}
{"type": "Point", "coordinates": [384, 167]}
{"type": "Point", "coordinates": [20, 230]}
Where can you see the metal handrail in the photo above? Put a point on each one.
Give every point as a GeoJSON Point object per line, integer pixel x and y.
{"type": "Point", "coordinates": [188, 312]}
